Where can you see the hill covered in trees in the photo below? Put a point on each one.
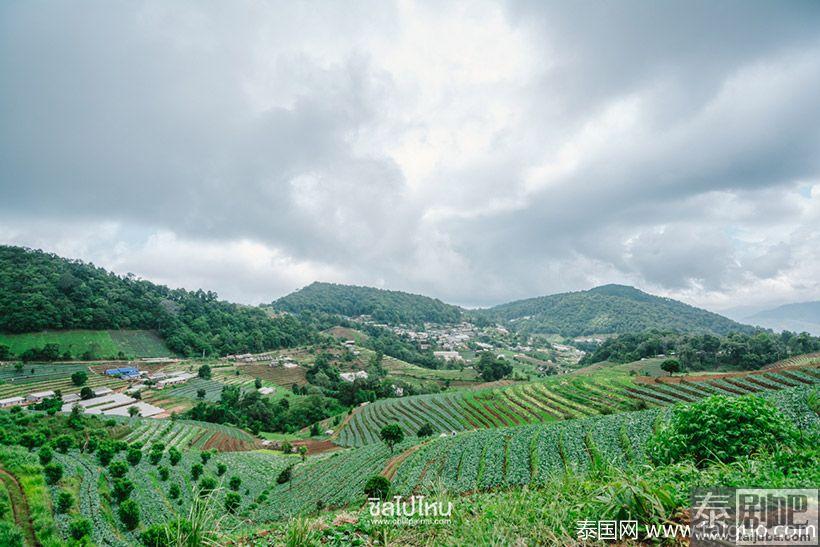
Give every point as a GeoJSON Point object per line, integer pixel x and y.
{"type": "Point", "coordinates": [44, 291]}
{"type": "Point", "coordinates": [607, 309]}
{"type": "Point", "coordinates": [392, 307]}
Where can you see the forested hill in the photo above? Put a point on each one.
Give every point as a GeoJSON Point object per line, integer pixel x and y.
{"type": "Point", "coordinates": [44, 291]}
{"type": "Point", "coordinates": [608, 309]}
{"type": "Point", "coordinates": [393, 307]}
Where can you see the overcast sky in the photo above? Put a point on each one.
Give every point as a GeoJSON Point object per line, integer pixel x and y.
{"type": "Point", "coordinates": [478, 152]}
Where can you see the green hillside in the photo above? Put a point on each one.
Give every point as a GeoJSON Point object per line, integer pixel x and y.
{"type": "Point", "coordinates": [392, 307]}
{"type": "Point", "coordinates": [94, 344]}
{"type": "Point", "coordinates": [40, 291]}
{"type": "Point", "coordinates": [607, 309]}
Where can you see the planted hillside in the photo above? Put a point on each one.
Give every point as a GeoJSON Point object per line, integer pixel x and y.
{"type": "Point", "coordinates": [608, 309]}
{"type": "Point", "coordinates": [43, 291]}
{"type": "Point", "coordinates": [393, 307]}
{"type": "Point", "coordinates": [706, 351]}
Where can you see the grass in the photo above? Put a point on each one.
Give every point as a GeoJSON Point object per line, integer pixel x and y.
{"type": "Point", "coordinates": [104, 343]}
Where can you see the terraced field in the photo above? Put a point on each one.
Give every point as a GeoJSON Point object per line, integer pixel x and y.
{"type": "Point", "coordinates": [188, 390]}
{"type": "Point", "coordinates": [556, 399]}
{"type": "Point", "coordinates": [279, 375]}
{"type": "Point", "coordinates": [185, 434]}
{"type": "Point", "coordinates": [105, 343]}
{"type": "Point", "coordinates": [48, 377]}
{"type": "Point", "coordinates": [527, 455]}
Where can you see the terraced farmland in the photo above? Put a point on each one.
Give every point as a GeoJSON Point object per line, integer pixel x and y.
{"type": "Point", "coordinates": [105, 343]}
{"type": "Point", "coordinates": [185, 434]}
{"type": "Point", "coordinates": [48, 377]}
{"type": "Point", "coordinates": [527, 455]}
{"type": "Point", "coordinates": [279, 375]}
{"type": "Point", "coordinates": [557, 399]}
{"type": "Point", "coordinates": [188, 390]}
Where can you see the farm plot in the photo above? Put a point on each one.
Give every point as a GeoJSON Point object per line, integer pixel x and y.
{"type": "Point", "coordinates": [189, 389]}
{"type": "Point", "coordinates": [279, 375]}
{"type": "Point", "coordinates": [104, 344]}
{"type": "Point", "coordinates": [492, 458]}
{"type": "Point", "coordinates": [186, 434]}
{"type": "Point", "coordinates": [48, 377]}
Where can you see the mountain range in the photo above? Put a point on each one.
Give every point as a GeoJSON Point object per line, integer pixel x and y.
{"type": "Point", "coordinates": [798, 317]}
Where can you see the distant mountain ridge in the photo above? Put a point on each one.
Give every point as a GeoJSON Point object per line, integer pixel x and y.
{"type": "Point", "coordinates": [383, 305]}
{"type": "Point", "coordinates": [798, 317]}
{"type": "Point", "coordinates": [608, 309]}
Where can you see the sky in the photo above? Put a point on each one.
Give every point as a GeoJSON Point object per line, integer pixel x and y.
{"type": "Point", "coordinates": [478, 152]}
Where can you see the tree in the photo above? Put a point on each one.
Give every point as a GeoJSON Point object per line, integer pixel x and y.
{"type": "Point", "coordinates": [391, 434]}
{"type": "Point", "coordinates": [257, 383]}
{"type": "Point", "coordinates": [205, 456]}
{"type": "Point", "coordinates": [133, 456]}
{"type": "Point", "coordinates": [86, 393]}
{"type": "Point", "coordinates": [425, 430]}
{"type": "Point", "coordinates": [80, 527]}
{"type": "Point", "coordinates": [129, 514]}
{"type": "Point", "coordinates": [200, 394]}
{"type": "Point", "coordinates": [79, 378]}
{"type": "Point", "coordinates": [220, 469]}
{"type": "Point", "coordinates": [232, 501]}
{"type": "Point", "coordinates": [163, 473]}
{"type": "Point", "coordinates": [491, 368]}
{"type": "Point", "coordinates": [671, 366]}
{"type": "Point", "coordinates": [173, 491]}
{"type": "Point", "coordinates": [174, 455]}
{"type": "Point", "coordinates": [5, 352]}
{"type": "Point", "coordinates": [234, 483]}
{"type": "Point", "coordinates": [53, 472]}
{"type": "Point", "coordinates": [117, 469]}
{"type": "Point", "coordinates": [45, 454]}
{"type": "Point", "coordinates": [377, 487]}
{"type": "Point", "coordinates": [206, 486]}
{"type": "Point", "coordinates": [121, 489]}
{"type": "Point", "coordinates": [63, 443]}
{"type": "Point", "coordinates": [303, 452]}
{"type": "Point", "coordinates": [196, 471]}
{"type": "Point", "coordinates": [286, 447]}
{"type": "Point", "coordinates": [133, 411]}
{"type": "Point", "coordinates": [18, 368]}
{"type": "Point", "coordinates": [284, 476]}
{"type": "Point", "coordinates": [314, 430]}
{"type": "Point", "coordinates": [204, 372]}
{"type": "Point", "coordinates": [64, 501]}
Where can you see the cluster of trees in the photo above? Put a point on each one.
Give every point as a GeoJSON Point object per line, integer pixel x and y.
{"type": "Point", "coordinates": [256, 413]}
{"type": "Point", "coordinates": [491, 368]}
{"type": "Point", "coordinates": [608, 309]}
{"type": "Point", "coordinates": [706, 351]}
{"type": "Point", "coordinates": [391, 307]}
{"type": "Point", "coordinates": [43, 291]}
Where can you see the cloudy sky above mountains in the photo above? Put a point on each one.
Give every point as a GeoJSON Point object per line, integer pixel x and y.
{"type": "Point", "coordinates": [478, 152]}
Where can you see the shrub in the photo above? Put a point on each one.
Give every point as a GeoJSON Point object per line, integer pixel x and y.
{"type": "Point", "coordinates": [196, 471]}
{"type": "Point", "coordinates": [64, 501]}
{"type": "Point", "coordinates": [205, 456]}
{"type": "Point", "coordinates": [207, 485]}
{"type": "Point", "coordinates": [173, 491]}
{"type": "Point", "coordinates": [220, 469]}
{"type": "Point", "coordinates": [284, 476]}
{"type": "Point", "coordinates": [234, 483]}
{"type": "Point", "coordinates": [377, 487]}
{"type": "Point", "coordinates": [722, 429]}
{"type": "Point", "coordinates": [117, 469]}
{"type": "Point", "coordinates": [10, 535]}
{"type": "Point", "coordinates": [80, 527]}
{"type": "Point", "coordinates": [426, 430]}
{"type": "Point", "coordinates": [174, 455]}
{"type": "Point", "coordinates": [163, 473]}
{"type": "Point", "coordinates": [53, 473]}
{"type": "Point", "coordinates": [232, 501]}
{"type": "Point", "coordinates": [46, 454]}
{"type": "Point", "coordinates": [391, 435]}
{"type": "Point", "coordinates": [134, 455]}
{"type": "Point", "coordinates": [129, 514]}
{"type": "Point", "coordinates": [121, 489]}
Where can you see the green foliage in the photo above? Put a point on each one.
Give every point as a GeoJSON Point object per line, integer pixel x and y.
{"type": "Point", "coordinates": [45, 454]}
{"type": "Point", "coordinates": [377, 486]}
{"type": "Point", "coordinates": [391, 435]}
{"type": "Point", "coordinates": [173, 491]}
{"type": "Point", "coordinates": [425, 430]}
{"type": "Point", "coordinates": [43, 291]}
{"type": "Point", "coordinates": [174, 455]}
{"type": "Point", "coordinates": [204, 372]}
{"type": "Point", "coordinates": [671, 366]}
{"type": "Point", "coordinates": [129, 513]}
{"type": "Point", "coordinates": [196, 471]}
{"type": "Point", "coordinates": [133, 455]}
{"type": "Point", "coordinates": [392, 307]}
{"type": "Point", "coordinates": [117, 469]}
{"type": "Point", "coordinates": [492, 369]}
{"type": "Point", "coordinates": [722, 429]}
{"type": "Point", "coordinates": [232, 502]}
{"type": "Point", "coordinates": [79, 378]}
{"type": "Point", "coordinates": [80, 527]}
{"type": "Point", "coordinates": [53, 473]}
{"type": "Point", "coordinates": [64, 501]}
{"type": "Point", "coordinates": [284, 475]}
{"type": "Point", "coordinates": [121, 489]}
{"type": "Point", "coordinates": [10, 535]}
{"type": "Point", "coordinates": [220, 469]}
{"type": "Point", "coordinates": [234, 483]}
{"type": "Point", "coordinates": [608, 309]}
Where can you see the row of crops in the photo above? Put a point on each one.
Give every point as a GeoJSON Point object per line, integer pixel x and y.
{"type": "Point", "coordinates": [185, 434]}
{"type": "Point", "coordinates": [528, 455]}
{"type": "Point", "coordinates": [557, 399]}
{"type": "Point", "coordinates": [49, 377]}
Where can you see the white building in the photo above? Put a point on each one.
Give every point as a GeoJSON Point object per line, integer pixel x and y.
{"type": "Point", "coordinates": [11, 401]}
{"type": "Point", "coordinates": [351, 376]}
{"type": "Point", "coordinates": [100, 391]}
{"type": "Point", "coordinates": [145, 410]}
{"type": "Point", "coordinates": [39, 396]}
{"type": "Point", "coordinates": [266, 390]}
{"type": "Point", "coordinates": [173, 380]}
{"type": "Point", "coordinates": [71, 398]}
{"type": "Point", "coordinates": [448, 355]}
